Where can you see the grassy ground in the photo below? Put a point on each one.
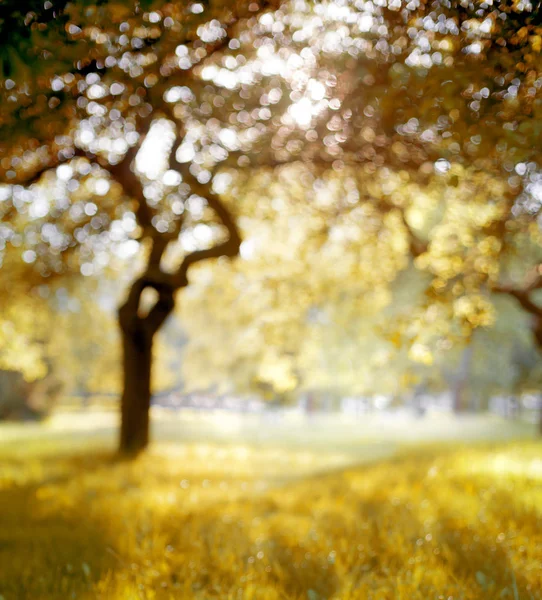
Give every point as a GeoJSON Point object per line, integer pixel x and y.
{"type": "Point", "coordinates": [246, 520]}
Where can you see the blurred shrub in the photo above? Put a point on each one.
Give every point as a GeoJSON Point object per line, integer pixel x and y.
{"type": "Point", "coordinates": [27, 400]}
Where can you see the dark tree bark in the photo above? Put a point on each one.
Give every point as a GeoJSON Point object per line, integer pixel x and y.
{"type": "Point", "coordinates": [137, 343]}
{"type": "Point", "coordinates": [537, 333]}
{"type": "Point", "coordinates": [136, 395]}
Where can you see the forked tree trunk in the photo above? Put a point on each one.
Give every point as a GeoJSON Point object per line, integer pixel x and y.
{"type": "Point", "coordinates": [137, 337]}
{"type": "Point", "coordinates": [138, 329]}
{"type": "Point", "coordinates": [136, 395]}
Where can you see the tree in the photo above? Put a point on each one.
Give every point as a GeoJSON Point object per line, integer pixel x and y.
{"type": "Point", "coordinates": [440, 96]}
{"type": "Point", "coordinates": [449, 90]}
{"type": "Point", "coordinates": [325, 295]}
{"type": "Point", "coordinates": [83, 114]}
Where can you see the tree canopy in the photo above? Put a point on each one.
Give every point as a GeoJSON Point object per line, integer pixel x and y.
{"type": "Point", "coordinates": [387, 135]}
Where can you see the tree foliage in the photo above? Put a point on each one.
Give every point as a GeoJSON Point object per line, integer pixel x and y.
{"type": "Point", "coordinates": [408, 131]}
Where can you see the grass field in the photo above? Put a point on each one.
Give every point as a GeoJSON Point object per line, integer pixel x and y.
{"type": "Point", "coordinates": [239, 517]}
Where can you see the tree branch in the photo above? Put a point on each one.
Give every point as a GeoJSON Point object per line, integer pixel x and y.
{"type": "Point", "coordinates": [159, 245]}
{"type": "Point", "coordinates": [230, 247]}
{"type": "Point", "coordinates": [416, 246]}
{"type": "Point", "coordinates": [74, 152]}
{"type": "Point", "coordinates": [534, 279]}
{"type": "Point", "coordinates": [124, 173]}
{"type": "Point", "coordinates": [163, 283]}
{"type": "Point", "coordinates": [161, 310]}
{"type": "Point", "coordinates": [522, 296]}
{"type": "Point", "coordinates": [128, 317]}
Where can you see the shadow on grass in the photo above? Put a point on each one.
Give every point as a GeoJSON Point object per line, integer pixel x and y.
{"type": "Point", "coordinates": [81, 516]}
{"type": "Point", "coordinates": [57, 538]}
{"type": "Point", "coordinates": [47, 552]}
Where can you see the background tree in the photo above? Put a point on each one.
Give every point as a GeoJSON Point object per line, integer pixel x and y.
{"type": "Point", "coordinates": [326, 295]}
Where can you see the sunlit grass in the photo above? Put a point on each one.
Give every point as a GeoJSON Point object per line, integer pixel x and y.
{"type": "Point", "coordinates": [207, 521]}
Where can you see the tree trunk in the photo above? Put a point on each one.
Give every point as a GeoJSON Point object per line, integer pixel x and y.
{"type": "Point", "coordinates": [537, 334]}
{"type": "Point", "coordinates": [136, 395]}
{"type": "Point", "coordinates": [137, 337]}
{"type": "Point", "coordinates": [460, 387]}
